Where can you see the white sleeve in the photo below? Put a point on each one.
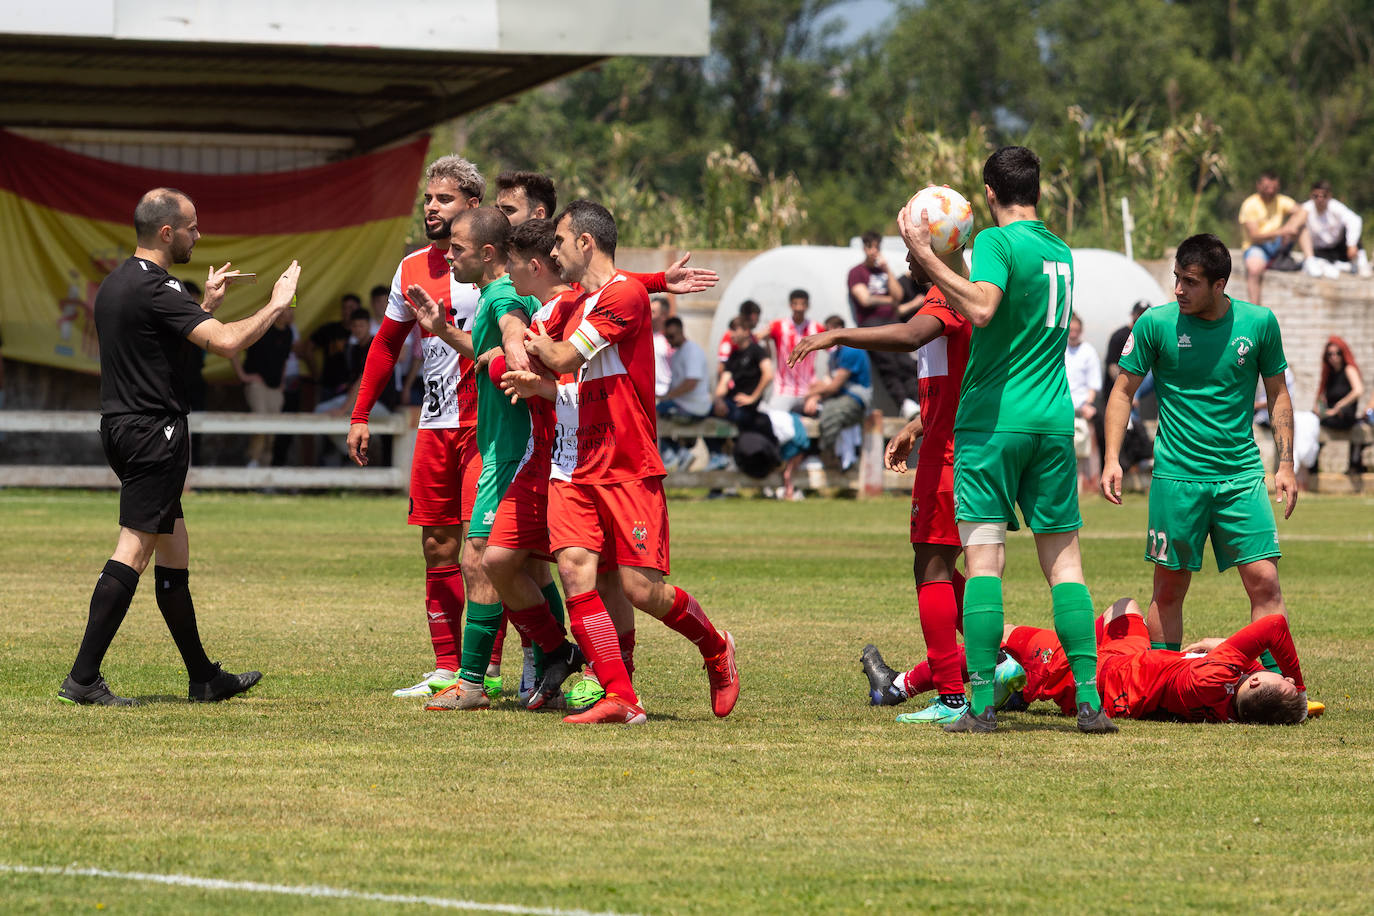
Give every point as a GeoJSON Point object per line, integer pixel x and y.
{"type": "Point", "coordinates": [1354, 225]}
{"type": "Point", "coordinates": [1094, 364]}
{"type": "Point", "coordinates": [587, 340]}
{"type": "Point", "coordinates": [396, 307]}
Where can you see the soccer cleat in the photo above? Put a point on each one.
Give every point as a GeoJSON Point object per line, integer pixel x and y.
{"type": "Point", "coordinates": [882, 680]}
{"type": "Point", "coordinates": [609, 710]}
{"type": "Point", "coordinates": [462, 695]}
{"type": "Point", "coordinates": [1016, 702]}
{"type": "Point", "coordinates": [491, 683]}
{"type": "Point", "coordinates": [1095, 721]}
{"type": "Point", "coordinates": [528, 677]}
{"type": "Point", "coordinates": [430, 685]}
{"type": "Point", "coordinates": [723, 675]}
{"type": "Point", "coordinates": [584, 694]}
{"type": "Point", "coordinates": [937, 713]}
{"type": "Point", "coordinates": [968, 723]}
{"type": "Point", "coordinates": [222, 686]}
{"type": "Point", "coordinates": [558, 667]}
{"type": "Point", "coordinates": [1315, 709]}
{"type": "Point", "coordinates": [1007, 678]}
{"type": "Point", "coordinates": [97, 694]}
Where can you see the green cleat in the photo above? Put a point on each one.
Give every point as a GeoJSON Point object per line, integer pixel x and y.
{"type": "Point", "coordinates": [584, 694]}
{"type": "Point", "coordinates": [431, 684]}
{"type": "Point", "coordinates": [937, 713]}
{"type": "Point", "coordinates": [492, 686]}
{"type": "Point", "coordinates": [1008, 678]}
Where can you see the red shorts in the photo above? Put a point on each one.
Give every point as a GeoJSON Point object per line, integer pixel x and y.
{"type": "Point", "coordinates": [443, 476]}
{"type": "Point", "coordinates": [1123, 640]}
{"type": "Point", "coordinates": [522, 518]}
{"type": "Point", "coordinates": [1047, 667]}
{"type": "Point", "coordinates": [932, 505]}
{"type": "Point", "coordinates": [626, 522]}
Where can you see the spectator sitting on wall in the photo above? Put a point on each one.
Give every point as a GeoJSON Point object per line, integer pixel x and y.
{"type": "Point", "coordinates": [1330, 241]}
{"type": "Point", "coordinates": [1084, 370]}
{"type": "Point", "coordinates": [841, 399]}
{"type": "Point", "coordinates": [742, 381]}
{"type": "Point", "coordinates": [688, 398]}
{"type": "Point", "coordinates": [659, 309]}
{"type": "Point", "coordinates": [748, 314]}
{"type": "Point", "coordinates": [1270, 223]}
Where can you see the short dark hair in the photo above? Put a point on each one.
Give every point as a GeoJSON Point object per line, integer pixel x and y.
{"type": "Point", "coordinates": [871, 237]}
{"type": "Point", "coordinates": [834, 321]}
{"type": "Point", "coordinates": [587, 217]}
{"type": "Point", "coordinates": [488, 226]}
{"type": "Point", "coordinates": [749, 307]}
{"type": "Point", "coordinates": [379, 290]}
{"type": "Point", "coordinates": [1271, 704]}
{"type": "Point", "coordinates": [350, 297]}
{"type": "Point", "coordinates": [360, 315]}
{"type": "Point", "coordinates": [1140, 307]}
{"type": "Point", "coordinates": [157, 208]}
{"type": "Point", "coordinates": [1321, 184]}
{"type": "Point", "coordinates": [538, 188]}
{"type": "Point", "coordinates": [1271, 174]}
{"type": "Point", "coordinates": [1208, 252]}
{"type": "Point", "coordinates": [737, 323]}
{"type": "Point", "coordinates": [799, 294]}
{"type": "Point", "coordinates": [532, 239]}
{"type": "Point", "coordinates": [672, 322]}
{"type": "Point", "coordinates": [1013, 173]}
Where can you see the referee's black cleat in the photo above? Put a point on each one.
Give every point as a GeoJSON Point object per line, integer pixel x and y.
{"type": "Point", "coordinates": [981, 724]}
{"type": "Point", "coordinates": [558, 667]}
{"type": "Point", "coordinates": [882, 680]}
{"type": "Point", "coordinates": [1095, 721]}
{"type": "Point", "coordinates": [222, 686]}
{"type": "Point", "coordinates": [97, 694]}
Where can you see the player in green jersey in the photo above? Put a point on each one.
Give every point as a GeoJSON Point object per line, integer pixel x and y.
{"type": "Point", "coordinates": [1013, 434]}
{"type": "Point", "coordinates": [1206, 351]}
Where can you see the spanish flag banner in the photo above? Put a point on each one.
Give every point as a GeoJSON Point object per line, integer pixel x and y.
{"type": "Point", "coordinates": [67, 220]}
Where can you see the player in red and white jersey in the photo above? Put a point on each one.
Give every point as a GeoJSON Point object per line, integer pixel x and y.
{"type": "Point", "coordinates": [606, 495]}
{"type": "Point", "coordinates": [940, 336]}
{"type": "Point", "coordinates": [446, 463]}
{"type": "Point", "coordinates": [793, 381]}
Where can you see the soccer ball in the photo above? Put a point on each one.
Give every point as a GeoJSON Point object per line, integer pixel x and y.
{"type": "Point", "coordinates": [950, 215]}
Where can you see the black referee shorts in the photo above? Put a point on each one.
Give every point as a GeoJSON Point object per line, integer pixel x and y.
{"type": "Point", "coordinates": [150, 455]}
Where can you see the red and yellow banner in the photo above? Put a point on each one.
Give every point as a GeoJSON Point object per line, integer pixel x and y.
{"type": "Point", "coordinates": [66, 220]}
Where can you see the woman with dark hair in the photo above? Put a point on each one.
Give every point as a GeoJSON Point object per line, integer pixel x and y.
{"type": "Point", "coordinates": [1338, 394]}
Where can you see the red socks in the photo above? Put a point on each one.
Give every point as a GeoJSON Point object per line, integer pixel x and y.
{"type": "Point", "coordinates": [537, 625]}
{"type": "Point", "coordinates": [918, 679]}
{"type": "Point", "coordinates": [595, 634]}
{"type": "Point", "coordinates": [939, 611]}
{"type": "Point", "coordinates": [690, 620]}
{"type": "Point", "coordinates": [444, 608]}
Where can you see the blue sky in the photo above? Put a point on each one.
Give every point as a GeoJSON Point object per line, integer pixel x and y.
{"type": "Point", "coordinates": [860, 16]}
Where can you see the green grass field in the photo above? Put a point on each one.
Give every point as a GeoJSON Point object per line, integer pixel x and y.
{"type": "Point", "coordinates": [805, 800]}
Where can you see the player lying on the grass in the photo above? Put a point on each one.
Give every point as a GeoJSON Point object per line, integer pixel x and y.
{"type": "Point", "coordinates": [940, 338]}
{"type": "Point", "coordinates": [1213, 680]}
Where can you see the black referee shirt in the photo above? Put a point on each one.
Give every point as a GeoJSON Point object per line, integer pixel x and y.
{"type": "Point", "coordinates": [142, 317]}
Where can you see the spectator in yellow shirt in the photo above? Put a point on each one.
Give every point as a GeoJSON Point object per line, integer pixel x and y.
{"type": "Point", "coordinates": [1271, 223]}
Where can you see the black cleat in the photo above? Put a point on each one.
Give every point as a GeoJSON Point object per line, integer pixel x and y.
{"type": "Point", "coordinates": [558, 667]}
{"type": "Point", "coordinates": [97, 694]}
{"type": "Point", "coordinates": [882, 686]}
{"type": "Point", "coordinates": [1095, 721]}
{"type": "Point", "coordinates": [222, 686]}
{"type": "Point", "coordinates": [980, 724]}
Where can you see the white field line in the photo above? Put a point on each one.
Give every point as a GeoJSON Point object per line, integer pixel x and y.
{"type": "Point", "coordinates": [315, 890]}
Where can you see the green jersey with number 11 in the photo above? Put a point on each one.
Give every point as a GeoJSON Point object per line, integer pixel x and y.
{"type": "Point", "coordinates": [1015, 381]}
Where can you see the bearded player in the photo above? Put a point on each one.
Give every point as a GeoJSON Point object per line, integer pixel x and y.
{"type": "Point", "coordinates": [940, 338]}
{"type": "Point", "coordinates": [606, 495]}
{"type": "Point", "coordinates": [446, 463]}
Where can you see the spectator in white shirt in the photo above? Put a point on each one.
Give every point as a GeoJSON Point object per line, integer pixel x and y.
{"type": "Point", "coordinates": [1331, 242]}
{"type": "Point", "coordinates": [688, 397]}
{"type": "Point", "coordinates": [663, 372]}
{"type": "Point", "coordinates": [1084, 369]}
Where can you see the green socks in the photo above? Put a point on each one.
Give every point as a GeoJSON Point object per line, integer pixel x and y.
{"type": "Point", "coordinates": [982, 635]}
{"type": "Point", "coordinates": [1075, 626]}
{"type": "Point", "coordinates": [1269, 662]}
{"type": "Point", "coordinates": [479, 635]}
{"type": "Point", "coordinates": [1171, 646]}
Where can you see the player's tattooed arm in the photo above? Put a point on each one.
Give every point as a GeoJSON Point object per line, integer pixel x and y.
{"type": "Point", "coordinates": [1281, 420]}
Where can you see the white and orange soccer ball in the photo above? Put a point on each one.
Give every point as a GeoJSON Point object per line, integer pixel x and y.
{"type": "Point", "coordinates": [950, 215]}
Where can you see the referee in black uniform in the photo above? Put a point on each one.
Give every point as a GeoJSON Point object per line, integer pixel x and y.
{"type": "Point", "coordinates": [144, 320]}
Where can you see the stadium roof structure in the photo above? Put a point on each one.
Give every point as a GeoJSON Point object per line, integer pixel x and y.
{"type": "Point", "coordinates": [365, 71]}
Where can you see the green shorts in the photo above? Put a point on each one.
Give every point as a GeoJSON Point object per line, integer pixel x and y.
{"type": "Point", "coordinates": [1235, 513]}
{"type": "Point", "coordinates": [491, 487]}
{"type": "Point", "coordinates": [995, 472]}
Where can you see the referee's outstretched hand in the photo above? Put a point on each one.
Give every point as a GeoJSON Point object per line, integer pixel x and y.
{"type": "Point", "coordinates": [284, 290]}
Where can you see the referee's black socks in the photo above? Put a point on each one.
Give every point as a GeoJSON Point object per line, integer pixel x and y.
{"type": "Point", "coordinates": [174, 601]}
{"type": "Point", "coordinates": [109, 603]}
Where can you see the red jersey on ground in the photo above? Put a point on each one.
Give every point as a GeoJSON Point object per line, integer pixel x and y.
{"type": "Point", "coordinates": [940, 367]}
{"type": "Point", "coordinates": [612, 405]}
{"type": "Point", "coordinates": [792, 382]}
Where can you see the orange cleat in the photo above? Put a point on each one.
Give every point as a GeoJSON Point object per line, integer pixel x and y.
{"type": "Point", "coordinates": [1315, 709]}
{"type": "Point", "coordinates": [723, 674]}
{"type": "Point", "coordinates": [610, 710]}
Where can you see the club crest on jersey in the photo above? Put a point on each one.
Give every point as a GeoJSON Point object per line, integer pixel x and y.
{"type": "Point", "coordinates": [1045, 656]}
{"type": "Point", "coordinates": [639, 533]}
{"type": "Point", "coordinates": [1184, 341]}
{"type": "Point", "coordinates": [1129, 345]}
{"type": "Point", "coordinates": [1243, 346]}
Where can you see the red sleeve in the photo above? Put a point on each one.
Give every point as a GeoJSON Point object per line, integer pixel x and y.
{"type": "Point", "coordinates": [726, 347]}
{"type": "Point", "coordinates": [620, 311]}
{"type": "Point", "coordinates": [1270, 633]}
{"type": "Point", "coordinates": [381, 359]}
{"type": "Point", "coordinates": [937, 306]}
{"type": "Point", "coordinates": [652, 283]}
